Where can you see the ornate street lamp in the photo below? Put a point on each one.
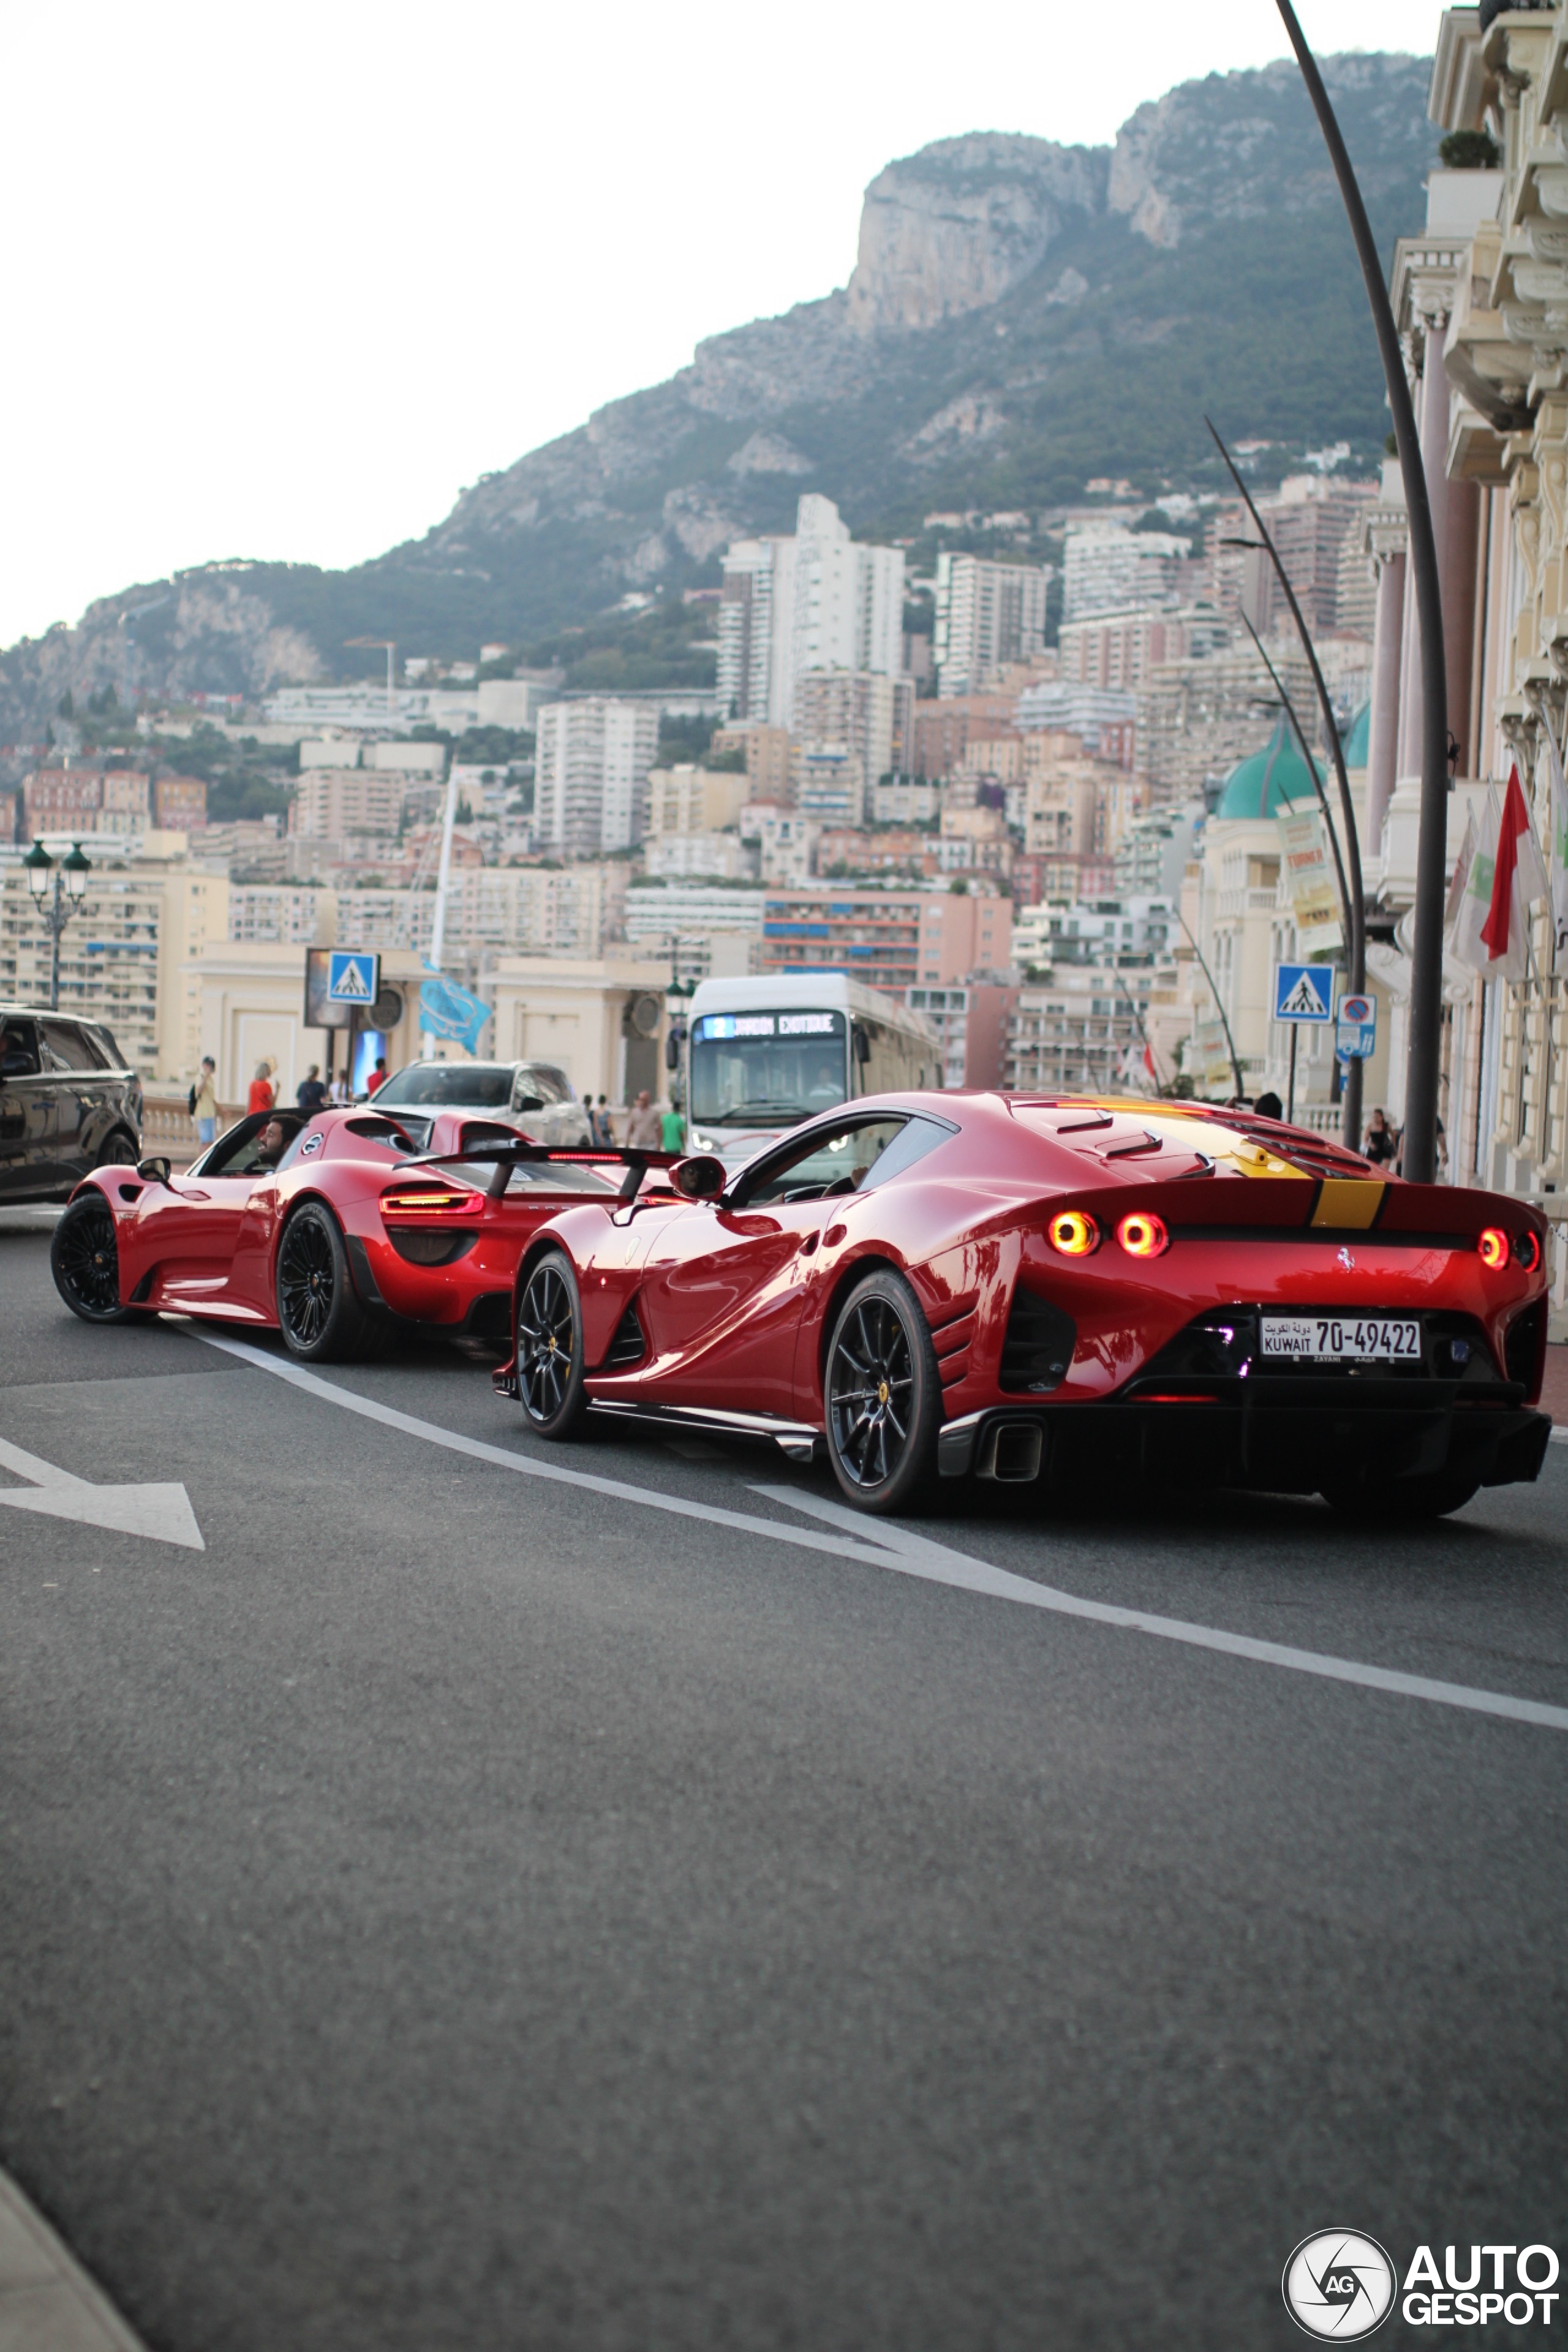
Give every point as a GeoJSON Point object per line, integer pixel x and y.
{"type": "Point", "coordinates": [70, 887]}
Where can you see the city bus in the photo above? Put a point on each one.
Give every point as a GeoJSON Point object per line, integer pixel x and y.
{"type": "Point", "coordinates": [761, 1055]}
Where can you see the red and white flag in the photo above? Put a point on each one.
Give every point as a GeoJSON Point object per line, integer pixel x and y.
{"type": "Point", "coordinates": [1518, 880]}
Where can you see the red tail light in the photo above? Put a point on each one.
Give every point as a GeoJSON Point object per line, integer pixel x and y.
{"type": "Point", "coordinates": [1527, 1250]}
{"type": "Point", "coordinates": [1142, 1234]}
{"type": "Point", "coordinates": [1493, 1246]}
{"type": "Point", "coordinates": [1073, 1233]}
{"type": "Point", "coordinates": [468, 1205]}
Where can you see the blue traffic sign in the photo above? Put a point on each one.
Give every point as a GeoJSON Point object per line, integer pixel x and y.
{"type": "Point", "coordinates": [353, 977]}
{"type": "Point", "coordinates": [1355, 1028]}
{"type": "Point", "coordinates": [1304, 992]}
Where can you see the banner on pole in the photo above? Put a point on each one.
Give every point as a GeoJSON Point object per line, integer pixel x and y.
{"type": "Point", "coordinates": [448, 1011]}
{"type": "Point", "coordinates": [1308, 863]}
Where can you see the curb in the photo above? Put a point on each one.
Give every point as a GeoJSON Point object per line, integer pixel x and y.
{"type": "Point", "coordinates": [48, 2303]}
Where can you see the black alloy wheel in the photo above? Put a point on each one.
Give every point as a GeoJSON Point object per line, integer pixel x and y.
{"type": "Point", "coordinates": [883, 1395]}
{"type": "Point", "coordinates": [550, 1348]}
{"type": "Point", "coordinates": [318, 1313]}
{"type": "Point", "coordinates": [118, 1151]}
{"type": "Point", "coordinates": [84, 1259]}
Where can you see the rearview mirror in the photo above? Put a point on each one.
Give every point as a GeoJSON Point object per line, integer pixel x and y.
{"type": "Point", "coordinates": [699, 1179]}
{"type": "Point", "coordinates": [152, 1171]}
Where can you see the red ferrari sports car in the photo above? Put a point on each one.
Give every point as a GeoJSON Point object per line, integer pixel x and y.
{"type": "Point", "coordinates": [1059, 1288]}
{"type": "Point", "coordinates": [328, 1228]}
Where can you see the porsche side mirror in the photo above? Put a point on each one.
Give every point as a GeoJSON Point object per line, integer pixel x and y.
{"type": "Point", "coordinates": [700, 1179]}
{"type": "Point", "coordinates": [152, 1171]}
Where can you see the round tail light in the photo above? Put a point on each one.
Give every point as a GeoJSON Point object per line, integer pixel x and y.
{"type": "Point", "coordinates": [1493, 1246]}
{"type": "Point", "coordinates": [1073, 1233]}
{"type": "Point", "coordinates": [1142, 1234]}
{"type": "Point", "coordinates": [1527, 1250]}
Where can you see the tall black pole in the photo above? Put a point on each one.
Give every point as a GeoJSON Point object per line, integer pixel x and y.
{"type": "Point", "coordinates": [1355, 940]}
{"type": "Point", "coordinates": [1431, 854]}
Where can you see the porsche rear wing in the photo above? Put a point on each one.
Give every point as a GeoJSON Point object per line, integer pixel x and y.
{"type": "Point", "coordinates": [508, 1156]}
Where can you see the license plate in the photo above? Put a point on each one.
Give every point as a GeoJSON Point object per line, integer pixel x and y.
{"type": "Point", "coordinates": [1335, 1338]}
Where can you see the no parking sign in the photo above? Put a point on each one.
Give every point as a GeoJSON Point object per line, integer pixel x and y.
{"type": "Point", "coordinates": [1355, 1028]}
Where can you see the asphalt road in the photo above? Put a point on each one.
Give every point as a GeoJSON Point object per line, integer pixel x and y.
{"type": "Point", "coordinates": [458, 1908]}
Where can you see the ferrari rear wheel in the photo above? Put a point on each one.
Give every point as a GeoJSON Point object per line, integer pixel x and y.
{"type": "Point", "coordinates": [1382, 1502]}
{"type": "Point", "coordinates": [84, 1259]}
{"type": "Point", "coordinates": [319, 1316]}
{"type": "Point", "coordinates": [550, 1348]}
{"type": "Point", "coordinates": [883, 1395]}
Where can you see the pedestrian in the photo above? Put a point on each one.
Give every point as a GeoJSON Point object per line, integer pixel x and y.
{"type": "Point", "coordinates": [646, 1129]}
{"type": "Point", "coordinates": [1269, 1106]}
{"type": "Point", "coordinates": [598, 1123]}
{"type": "Point", "coordinates": [378, 1075]}
{"type": "Point", "coordinates": [204, 1101]}
{"type": "Point", "coordinates": [1379, 1146]}
{"type": "Point", "coordinates": [262, 1092]}
{"type": "Point", "coordinates": [672, 1130]}
{"type": "Point", "coordinates": [311, 1094]}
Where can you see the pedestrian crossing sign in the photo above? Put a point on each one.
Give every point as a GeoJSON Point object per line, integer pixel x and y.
{"type": "Point", "coordinates": [1304, 992]}
{"type": "Point", "coordinates": [352, 977]}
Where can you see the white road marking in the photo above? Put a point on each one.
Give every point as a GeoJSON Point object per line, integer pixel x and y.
{"type": "Point", "coordinates": [161, 1513]}
{"type": "Point", "coordinates": [908, 1553]}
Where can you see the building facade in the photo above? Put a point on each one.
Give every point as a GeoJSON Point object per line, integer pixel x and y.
{"type": "Point", "coordinates": [987, 614]}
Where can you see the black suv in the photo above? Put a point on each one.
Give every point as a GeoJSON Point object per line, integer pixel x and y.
{"type": "Point", "coordinates": [69, 1102]}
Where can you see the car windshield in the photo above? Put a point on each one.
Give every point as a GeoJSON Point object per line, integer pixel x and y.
{"type": "Point", "coordinates": [766, 1069]}
{"type": "Point", "coordinates": [481, 1085]}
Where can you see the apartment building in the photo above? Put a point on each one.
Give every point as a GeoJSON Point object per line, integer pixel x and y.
{"type": "Point", "coordinates": [1108, 568]}
{"type": "Point", "coordinates": [987, 615]}
{"type": "Point", "coordinates": [1075, 1031]}
{"type": "Point", "coordinates": [86, 800]}
{"type": "Point", "coordinates": [591, 771]}
{"type": "Point", "coordinates": [180, 804]}
{"type": "Point", "coordinates": [872, 713]}
{"type": "Point", "coordinates": [816, 599]}
{"type": "Point", "coordinates": [291, 918]}
{"type": "Point", "coordinates": [827, 783]}
{"type": "Point", "coordinates": [890, 939]}
{"type": "Point", "coordinates": [1117, 650]}
{"type": "Point", "coordinates": [686, 799]}
{"type": "Point", "coordinates": [332, 804]}
{"type": "Point", "coordinates": [944, 730]}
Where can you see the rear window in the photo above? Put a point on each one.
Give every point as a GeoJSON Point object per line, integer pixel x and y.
{"type": "Point", "coordinates": [481, 1085]}
{"type": "Point", "coordinates": [67, 1045]}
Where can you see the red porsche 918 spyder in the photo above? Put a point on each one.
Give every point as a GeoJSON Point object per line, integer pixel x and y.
{"type": "Point", "coordinates": [330, 1228]}
{"type": "Point", "coordinates": [1058, 1288]}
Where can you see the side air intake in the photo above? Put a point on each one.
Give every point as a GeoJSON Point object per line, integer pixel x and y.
{"type": "Point", "coordinates": [1038, 1346]}
{"type": "Point", "coordinates": [629, 1345]}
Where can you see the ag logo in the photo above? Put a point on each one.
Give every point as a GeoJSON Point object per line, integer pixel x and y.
{"type": "Point", "coordinates": [1339, 2284]}
{"type": "Point", "coordinates": [311, 1144]}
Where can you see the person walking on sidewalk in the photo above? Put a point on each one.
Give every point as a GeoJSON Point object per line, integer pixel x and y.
{"type": "Point", "coordinates": [311, 1094]}
{"type": "Point", "coordinates": [262, 1093]}
{"type": "Point", "coordinates": [204, 1101]}
{"type": "Point", "coordinates": [672, 1130]}
{"type": "Point", "coordinates": [646, 1131]}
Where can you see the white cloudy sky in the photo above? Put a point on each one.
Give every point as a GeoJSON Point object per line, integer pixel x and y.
{"type": "Point", "coordinates": [279, 279]}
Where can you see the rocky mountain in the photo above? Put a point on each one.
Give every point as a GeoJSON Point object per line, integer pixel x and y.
{"type": "Point", "coordinates": [1023, 317]}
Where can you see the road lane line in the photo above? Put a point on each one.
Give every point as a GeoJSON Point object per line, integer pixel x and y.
{"type": "Point", "coordinates": [908, 1553]}
{"type": "Point", "coordinates": [526, 1465]}
{"type": "Point", "coordinates": [922, 1556]}
{"type": "Point", "coordinates": [162, 1513]}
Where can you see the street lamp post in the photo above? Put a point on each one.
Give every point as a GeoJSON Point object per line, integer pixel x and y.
{"type": "Point", "coordinates": [70, 885]}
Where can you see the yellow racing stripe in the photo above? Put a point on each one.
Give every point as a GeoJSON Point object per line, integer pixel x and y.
{"type": "Point", "coordinates": [1348, 1203]}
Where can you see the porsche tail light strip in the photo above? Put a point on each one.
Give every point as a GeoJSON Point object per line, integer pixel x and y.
{"type": "Point", "coordinates": [428, 1197]}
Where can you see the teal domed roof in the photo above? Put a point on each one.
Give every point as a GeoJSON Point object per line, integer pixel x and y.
{"type": "Point", "coordinates": [1257, 787]}
{"type": "Point", "coordinates": [1358, 741]}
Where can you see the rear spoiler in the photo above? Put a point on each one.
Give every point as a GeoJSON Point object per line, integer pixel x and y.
{"type": "Point", "coordinates": [508, 1156]}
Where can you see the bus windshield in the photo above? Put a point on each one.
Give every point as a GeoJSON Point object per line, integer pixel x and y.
{"type": "Point", "coordinates": [767, 1069]}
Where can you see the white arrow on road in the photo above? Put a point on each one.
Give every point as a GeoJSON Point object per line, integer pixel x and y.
{"type": "Point", "coordinates": [162, 1513]}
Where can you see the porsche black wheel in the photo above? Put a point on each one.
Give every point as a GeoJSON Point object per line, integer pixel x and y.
{"type": "Point", "coordinates": [550, 1348]}
{"type": "Point", "coordinates": [85, 1262]}
{"type": "Point", "coordinates": [318, 1313]}
{"type": "Point", "coordinates": [1384, 1502]}
{"type": "Point", "coordinates": [883, 1395]}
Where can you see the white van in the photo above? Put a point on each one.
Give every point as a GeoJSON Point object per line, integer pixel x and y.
{"type": "Point", "coordinates": [761, 1055]}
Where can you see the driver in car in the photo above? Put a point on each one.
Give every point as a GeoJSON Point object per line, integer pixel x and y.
{"type": "Point", "coordinates": [270, 1144]}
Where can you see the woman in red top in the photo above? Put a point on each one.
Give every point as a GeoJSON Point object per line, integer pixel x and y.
{"type": "Point", "coordinates": [263, 1094]}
